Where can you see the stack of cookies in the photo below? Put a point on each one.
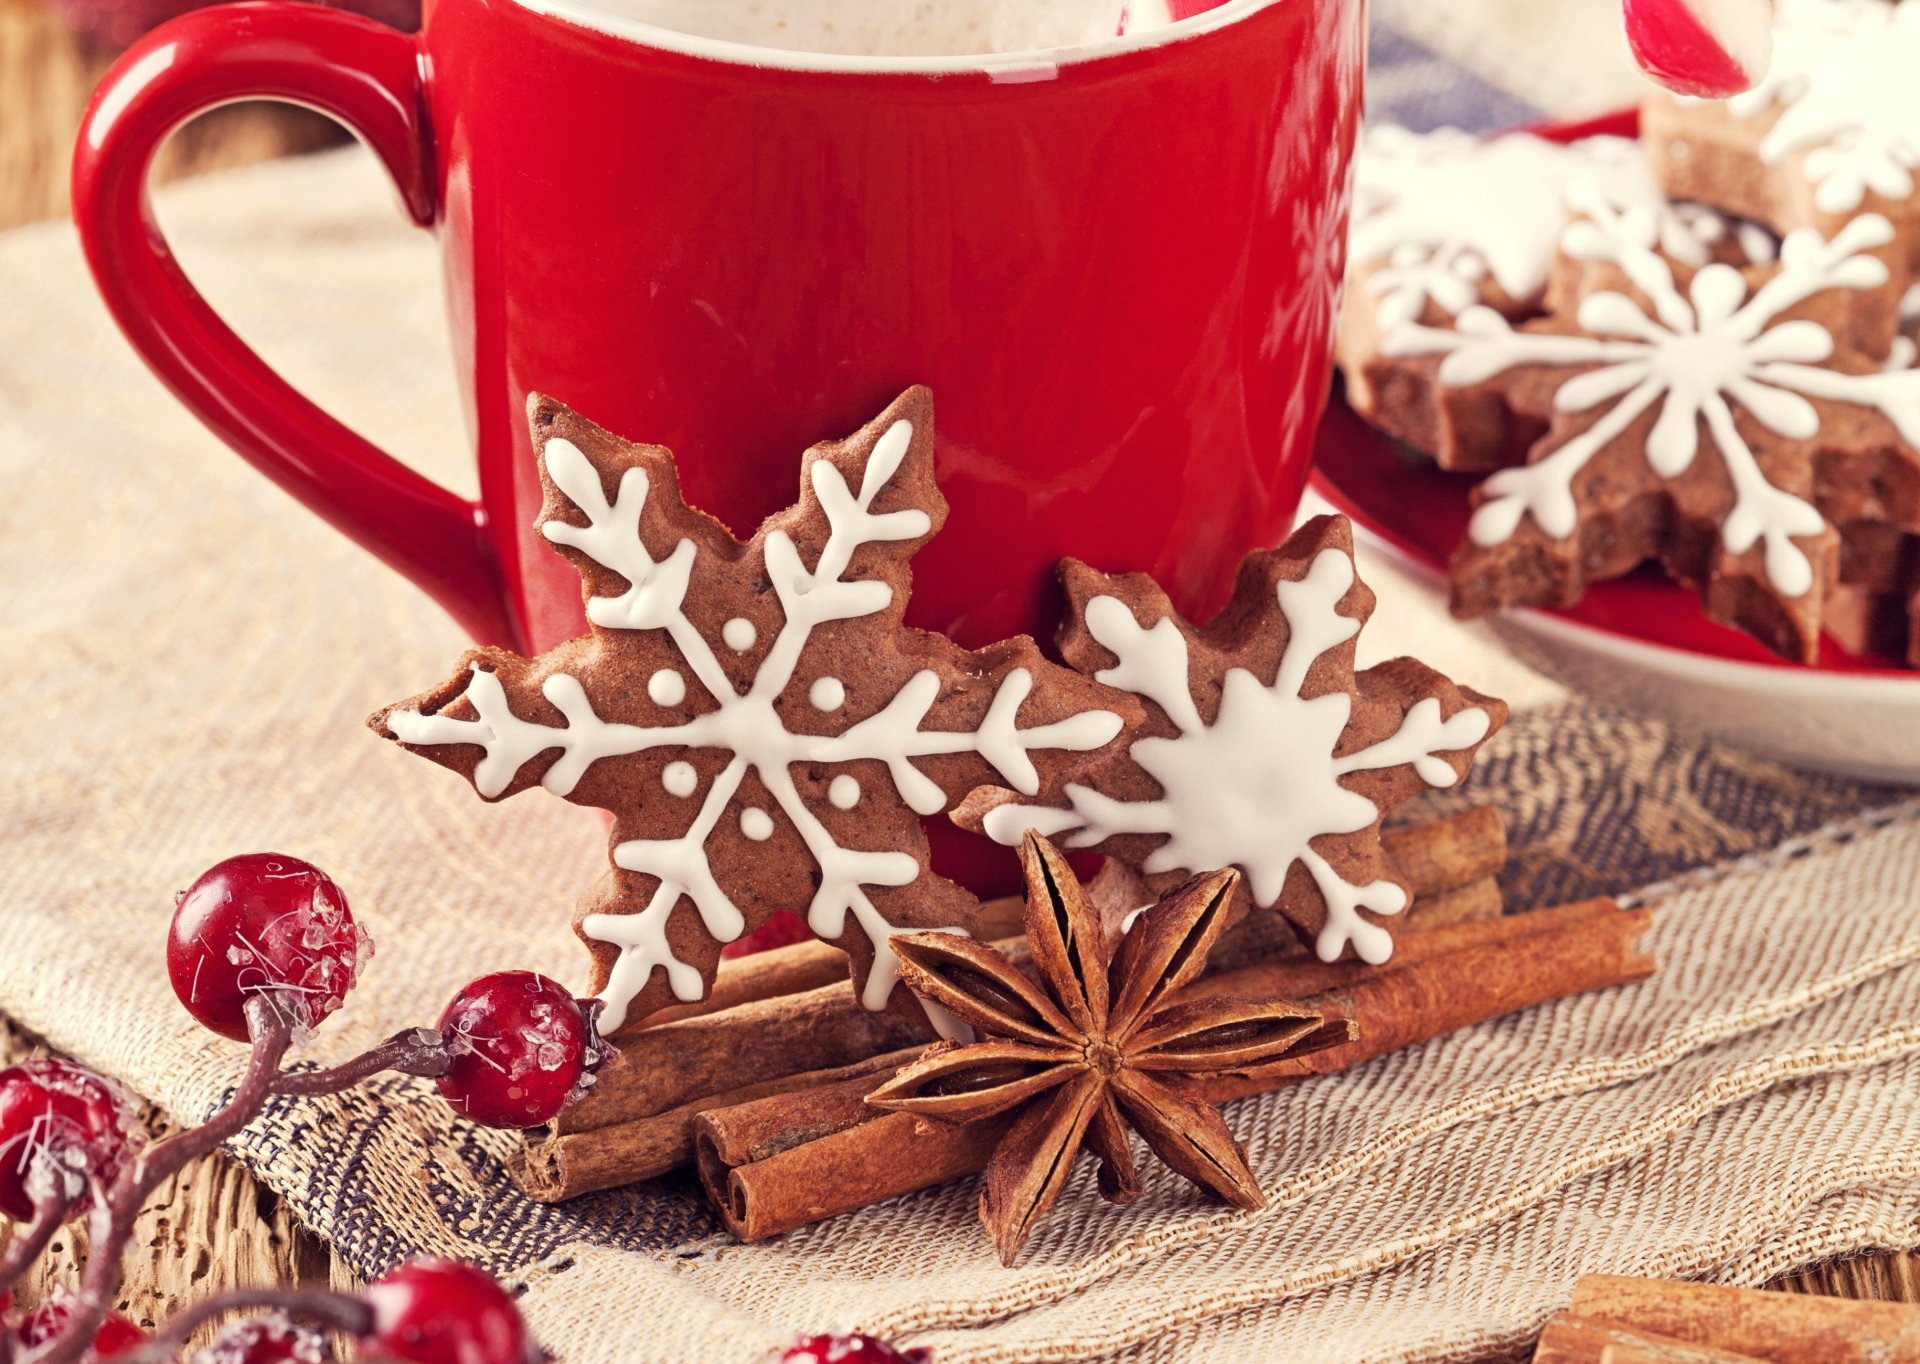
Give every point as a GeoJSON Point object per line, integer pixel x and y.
{"type": "Point", "coordinates": [1691, 349]}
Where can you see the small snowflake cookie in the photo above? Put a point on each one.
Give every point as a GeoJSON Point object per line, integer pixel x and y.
{"type": "Point", "coordinates": [765, 731]}
{"type": "Point", "coordinates": [1713, 420]}
{"type": "Point", "coordinates": [1831, 131]}
{"type": "Point", "coordinates": [1446, 221]}
{"type": "Point", "coordinates": [1262, 748]}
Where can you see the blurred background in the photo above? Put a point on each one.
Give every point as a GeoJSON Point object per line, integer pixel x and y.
{"type": "Point", "coordinates": [52, 52]}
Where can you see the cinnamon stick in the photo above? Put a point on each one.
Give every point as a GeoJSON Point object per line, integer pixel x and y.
{"type": "Point", "coordinates": [798, 967]}
{"type": "Point", "coordinates": [569, 1164]}
{"type": "Point", "coordinates": [1475, 902]}
{"type": "Point", "coordinates": [1788, 1328]}
{"type": "Point", "coordinates": [585, 1151]}
{"type": "Point", "coordinates": [666, 1067]}
{"type": "Point", "coordinates": [1571, 1339]}
{"type": "Point", "coordinates": [763, 1020]}
{"type": "Point", "coordinates": [1300, 976]}
{"type": "Point", "coordinates": [835, 1169]}
{"type": "Point", "coordinates": [1445, 854]}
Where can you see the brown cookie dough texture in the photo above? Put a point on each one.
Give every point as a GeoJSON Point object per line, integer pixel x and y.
{"type": "Point", "coordinates": [764, 729]}
{"type": "Point", "coordinates": [1262, 747]}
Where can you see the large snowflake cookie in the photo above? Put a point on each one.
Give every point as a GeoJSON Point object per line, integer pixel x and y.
{"type": "Point", "coordinates": [1831, 131]}
{"type": "Point", "coordinates": [1262, 749]}
{"type": "Point", "coordinates": [1446, 221]}
{"type": "Point", "coordinates": [765, 731]}
{"type": "Point", "coordinates": [1708, 419]}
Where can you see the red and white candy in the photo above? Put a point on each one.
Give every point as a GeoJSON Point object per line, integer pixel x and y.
{"type": "Point", "coordinates": [1710, 48]}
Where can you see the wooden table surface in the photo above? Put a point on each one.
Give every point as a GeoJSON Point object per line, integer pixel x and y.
{"type": "Point", "coordinates": [215, 1228]}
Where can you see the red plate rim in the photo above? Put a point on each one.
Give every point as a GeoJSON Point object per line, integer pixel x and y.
{"type": "Point", "coordinates": [1352, 463]}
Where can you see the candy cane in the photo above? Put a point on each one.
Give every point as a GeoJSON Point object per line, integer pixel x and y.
{"type": "Point", "coordinates": [1712, 48]}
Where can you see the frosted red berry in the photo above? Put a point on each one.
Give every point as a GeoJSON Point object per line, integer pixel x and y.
{"type": "Point", "coordinates": [268, 925]}
{"type": "Point", "coordinates": [61, 1128]}
{"type": "Point", "coordinates": [850, 1349]}
{"type": "Point", "coordinates": [782, 928]}
{"type": "Point", "coordinates": [436, 1311]}
{"type": "Point", "coordinates": [116, 1335]}
{"type": "Point", "coordinates": [272, 1339]}
{"type": "Point", "coordinates": [521, 1049]}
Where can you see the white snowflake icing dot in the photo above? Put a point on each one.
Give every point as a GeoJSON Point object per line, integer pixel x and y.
{"type": "Point", "coordinates": [756, 824]}
{"type": "Point", "coordinates": [679, 778]}
{"type": "Point", "coordinates": [827, 693]}
{"type": "Point", "coordinates": [667, 687]}
{"type": "Point", "coordinates": [843, 792]}
{"type": "Point", "coordinates": [738, 634]}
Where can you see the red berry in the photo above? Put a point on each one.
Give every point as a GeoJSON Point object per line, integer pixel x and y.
{"type": "Point", "coordinates": [783, 928]}
{"type": "Point", "coordinates": [272, 1339]}
{"type": "Point", "coordinates": [522, 1049]}
{"type": "Point", "coordinates": [263, 924]}
{"type": "Point", "coordinates": [435, 1311]}
{"type": "Point", "coordinates": [850, 1349]}
{"type": "Point", "coordinates": [116, 1336]}
{"type": "Point", "coordinates": [61, 1128]}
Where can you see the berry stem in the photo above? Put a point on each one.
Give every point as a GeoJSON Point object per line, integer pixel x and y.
{"type": "Point", "coordinates": [323, 1308]}
{"type": "Point", "coordinates": [49, 1215]}
{"type": "Point", "coordinates": [411, 1051]}
{"type": "Point", "coordinates": [111, 1224]}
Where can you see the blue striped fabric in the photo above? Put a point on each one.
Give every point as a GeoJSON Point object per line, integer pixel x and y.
{"type": "Point", "coordinates": [1408, 84]}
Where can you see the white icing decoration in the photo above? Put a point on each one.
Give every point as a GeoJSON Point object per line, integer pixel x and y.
{"type": "Point", "coordinates": [747, 725]}
{"type": "Point", "coordinates": [679, 778]}
{"type": "Point", "coordinates": [1841, 88]}
{"type": "Point", "coordinates": [843, 792]}
{"type": "Point", "coordinates": [667, 687]}
{"type": "Point", "coordinates": [1440, 211]}
{"type": "Point", "coordinates": [1258, 786]}
{"type": "Point", "coordinates": [756, 824]}
{"type": "Point", "coordinates": [1752, 243]}
{"type": "Point", "coordinates": [738, 634]}
{"type": "Point", "coordinates": [1698, 356]}
{"type": "Point", "coordinates": [827, 693]}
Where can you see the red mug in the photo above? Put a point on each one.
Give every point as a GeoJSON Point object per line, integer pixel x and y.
{"type": "Point", "coordinates": [1118, 268]}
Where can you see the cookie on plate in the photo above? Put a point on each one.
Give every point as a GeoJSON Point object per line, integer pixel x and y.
{"type": "Point", "coordinates": [1445, 221]}
{"type": "Point", "coordinates": [1715, 421]}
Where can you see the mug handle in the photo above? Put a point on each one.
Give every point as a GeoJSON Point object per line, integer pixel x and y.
{"type": "Point", "coordinates": [367, 76]}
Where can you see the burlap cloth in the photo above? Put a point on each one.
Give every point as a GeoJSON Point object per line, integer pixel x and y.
{"type": "Point", "coordinates": [186, 659]}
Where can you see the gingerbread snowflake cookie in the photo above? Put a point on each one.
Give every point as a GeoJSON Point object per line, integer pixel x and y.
{"type": "Point", "coordinates": [1710, 420]}
{"type": "Point", "coordinates": [765, 731]}
{"type": "Point", "coordinates": [1831, 131]}
{"type": "Point", "coordinates": [1262, 749]}
{"type": "Point", "coordinates": [1446, 221]}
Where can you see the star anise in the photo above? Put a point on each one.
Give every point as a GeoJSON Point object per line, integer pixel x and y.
{"type": "Point", "coordinates": [1102, 1042]}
